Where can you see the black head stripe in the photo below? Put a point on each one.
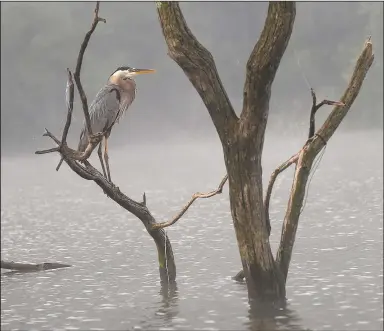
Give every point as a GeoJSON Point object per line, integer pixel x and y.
{"type": "Point", "coordinates": [121, 69]}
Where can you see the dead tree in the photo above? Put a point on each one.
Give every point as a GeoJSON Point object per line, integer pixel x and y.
{"type": "Point", "coordinates": [78, 162]}
{"type": "Point", "coordinates": [242, 137]}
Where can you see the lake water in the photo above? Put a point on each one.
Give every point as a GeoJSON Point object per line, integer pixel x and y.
{"type": "Point", "coordinates": [335, 279]}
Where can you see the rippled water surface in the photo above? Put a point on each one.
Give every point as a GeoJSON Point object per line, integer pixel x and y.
{"type": "Point", "coordinates": [335, 279]}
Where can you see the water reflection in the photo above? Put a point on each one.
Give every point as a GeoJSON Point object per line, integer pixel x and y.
{"type": "Point", "coordinates": [167, 309]}
{"type": "Point", "coordinates": [169, 302]}
{"type": "Point", "coordinates": [272, 316]}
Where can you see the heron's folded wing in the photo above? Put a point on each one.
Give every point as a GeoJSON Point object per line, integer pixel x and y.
{"type": "Point", "coordinates": [104, 109]}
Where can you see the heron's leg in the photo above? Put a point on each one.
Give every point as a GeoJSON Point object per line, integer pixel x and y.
{"type": "Point", "coordinates": [100, 153]}
{"type": "Point", "coordinates": [106, 158]}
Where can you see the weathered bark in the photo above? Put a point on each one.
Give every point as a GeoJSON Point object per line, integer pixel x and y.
{"type": "Point", "coordinates": [243, 138]}
{"type": "Point", "coordinates": [308, 154]}
{"type": "Point", "coordinates": [28, 267]}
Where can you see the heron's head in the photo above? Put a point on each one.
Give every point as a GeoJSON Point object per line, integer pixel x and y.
{"type": "Point", "coordinates": [122, 74]}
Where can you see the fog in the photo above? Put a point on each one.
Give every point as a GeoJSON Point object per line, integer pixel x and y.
{"type": "Point", "coordinates": [40, 40]}
{"type": "Point", "coordinates": [167, 146]}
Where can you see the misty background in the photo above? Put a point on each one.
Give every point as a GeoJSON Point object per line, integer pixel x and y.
{"type": "Point", "coordinates": [40, 40]}
{"type": "Point", "coordinates": [167, 147]}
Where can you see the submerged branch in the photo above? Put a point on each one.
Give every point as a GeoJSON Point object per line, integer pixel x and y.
{"type": "Point", "coordinates": [28, 267]}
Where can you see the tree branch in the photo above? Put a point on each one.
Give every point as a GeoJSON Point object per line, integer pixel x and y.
{"type": "Point", "coordinates": [198, 65]}
{"type": "Point", "coordinates": [272, 180]}
{"type": "Point", "coordinates": [190, 202]}
{"type": "Point", "coordinates": [338, 113]}
{"type": "Point", "coordinates": [308, 154]}
{"type": "Point", "coordinates": [265, 59]}
{"type": "Point", "coordinates": [79, 63]}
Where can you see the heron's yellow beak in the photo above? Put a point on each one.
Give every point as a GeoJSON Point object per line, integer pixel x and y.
{"type": "Point", "coordinates": [143, 71]}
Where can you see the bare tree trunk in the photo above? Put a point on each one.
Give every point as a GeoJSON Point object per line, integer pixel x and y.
{"type": "Point", "coordinates": [246, 198]}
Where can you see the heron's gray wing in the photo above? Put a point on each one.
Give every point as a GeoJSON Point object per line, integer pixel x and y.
{"type": "Point", "coordinates": [103, 112]}
{"type": "Point", "coordinates": [104, 109]}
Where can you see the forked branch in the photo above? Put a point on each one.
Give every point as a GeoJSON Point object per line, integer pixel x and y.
{"type": "Point", "coordinates": [190, 202]}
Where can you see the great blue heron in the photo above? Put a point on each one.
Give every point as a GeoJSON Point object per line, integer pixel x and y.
{"type": "Point", "coordinates": [109, 106]}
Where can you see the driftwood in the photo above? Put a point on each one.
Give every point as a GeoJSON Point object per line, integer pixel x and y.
{"type": "Point", "coordinates": [28, 267]}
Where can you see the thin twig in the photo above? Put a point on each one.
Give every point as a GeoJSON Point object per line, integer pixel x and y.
{"type": "Point", "coordinates": [272, 180]}
{"type": "Point", "coordinates": [76, 75]}
{"type": "Point", "coordinates": [186, 207]}
{"type": "Point", "coordinates": [315, 108]}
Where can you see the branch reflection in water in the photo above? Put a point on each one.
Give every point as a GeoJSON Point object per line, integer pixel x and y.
{"type": "Point", "coordinates": [168, 310]}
